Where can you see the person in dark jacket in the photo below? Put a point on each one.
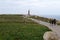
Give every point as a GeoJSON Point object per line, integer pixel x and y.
{"type": "Point", "coordinates": [54, 21]}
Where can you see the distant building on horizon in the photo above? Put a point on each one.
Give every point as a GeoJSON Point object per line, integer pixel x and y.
{"type": "Point", "coordinates": [28, 12]}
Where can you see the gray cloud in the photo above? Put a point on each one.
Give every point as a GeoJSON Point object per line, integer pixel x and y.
{"type": "Point", "coordinates": [36, 6]}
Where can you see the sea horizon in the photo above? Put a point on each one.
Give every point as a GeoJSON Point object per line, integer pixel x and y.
{"type": "Point", "coordinates": [57, 17]}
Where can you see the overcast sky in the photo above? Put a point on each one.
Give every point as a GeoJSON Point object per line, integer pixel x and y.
{"type": "Point", "coordinates": [38, 7]}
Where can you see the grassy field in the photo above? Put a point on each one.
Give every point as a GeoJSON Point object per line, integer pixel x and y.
{"type": "Point", "coordinates": [18, 28]}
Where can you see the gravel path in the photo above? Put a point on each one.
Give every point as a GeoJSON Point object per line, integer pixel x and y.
{"type": "Point", "coordinates": [54, 28]}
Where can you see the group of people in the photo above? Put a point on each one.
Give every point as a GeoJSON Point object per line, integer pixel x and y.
{"type": "Point", "coordinates": [53, 21]}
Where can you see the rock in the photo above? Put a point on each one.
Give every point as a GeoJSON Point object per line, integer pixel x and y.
{"type": "Point", "coordinates": [50, 36]}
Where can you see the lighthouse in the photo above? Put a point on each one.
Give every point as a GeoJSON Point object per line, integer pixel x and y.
{"type": "Point", "coordinates": [28, 12]}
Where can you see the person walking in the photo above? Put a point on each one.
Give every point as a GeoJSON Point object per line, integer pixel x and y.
{"type": "Point", "coordinates": [54, 21]}
{"type": "Point", "coordinates": [51, 21]}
